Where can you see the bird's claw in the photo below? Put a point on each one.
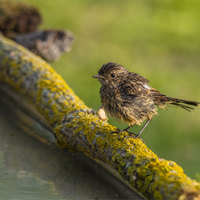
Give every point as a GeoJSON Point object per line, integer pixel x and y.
{"type": "Point", "coordinates": [117, 131]}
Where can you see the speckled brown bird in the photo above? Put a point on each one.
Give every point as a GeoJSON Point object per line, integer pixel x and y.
{"type": "Point", "coordinates": [128, 97]}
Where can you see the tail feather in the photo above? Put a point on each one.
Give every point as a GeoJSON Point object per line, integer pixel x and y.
{"type": "Point", "coordinates": [161, 100]}
{"type": "Point", "coordinates": [181, 103]}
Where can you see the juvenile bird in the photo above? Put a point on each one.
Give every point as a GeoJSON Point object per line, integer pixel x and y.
{"type": "Point", "coordinates": [128, 97]}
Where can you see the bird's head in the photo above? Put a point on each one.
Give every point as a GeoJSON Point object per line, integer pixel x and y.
{"type": "Point", "coordinates": [111, 73]}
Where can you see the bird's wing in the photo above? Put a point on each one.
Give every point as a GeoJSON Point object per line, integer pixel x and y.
{"type": "Point", "coordinates": [135, 84]}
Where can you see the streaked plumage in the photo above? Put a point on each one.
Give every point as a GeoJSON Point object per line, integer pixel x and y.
{"type": "Point", "coordinates": [128, 97]}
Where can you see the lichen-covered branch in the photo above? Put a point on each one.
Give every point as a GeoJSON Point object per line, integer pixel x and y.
{"type": "Point", "coordinates": [76, 127]}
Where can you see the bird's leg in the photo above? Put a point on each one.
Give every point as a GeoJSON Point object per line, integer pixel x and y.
{"type": "Point", "coordinates": [127, 128]}
{"type": "Point", "coordinates": [139, 134]}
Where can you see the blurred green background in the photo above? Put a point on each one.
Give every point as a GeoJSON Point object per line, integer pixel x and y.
{"type": "Point", "coordinates": [157, 39]}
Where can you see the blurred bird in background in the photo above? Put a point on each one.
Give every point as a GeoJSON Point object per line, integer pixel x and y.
{"type": "Point", "coordinates": [48, 44]}
{"type": "Point", "coordinates": [18, 18]}
{"type": "Point", "coordinates": [20, 22]}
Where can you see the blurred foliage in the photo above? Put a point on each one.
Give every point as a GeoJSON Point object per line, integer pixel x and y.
{"type": "Point", "coordinates": [157, 39]}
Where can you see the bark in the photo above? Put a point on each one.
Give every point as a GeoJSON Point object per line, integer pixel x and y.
{"type": "Point", "coordinates": [76, 127]}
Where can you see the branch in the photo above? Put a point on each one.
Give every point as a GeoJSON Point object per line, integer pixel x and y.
{"type": "Point", "coordinates": [76, 127]}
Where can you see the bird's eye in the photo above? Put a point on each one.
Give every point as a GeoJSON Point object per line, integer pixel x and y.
{"type": "Point", "coordinates": [112, 75]}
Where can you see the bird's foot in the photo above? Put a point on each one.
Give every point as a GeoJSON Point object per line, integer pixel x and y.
{"type": "Point", "coordinates": [130, 132]}
{"type": "Point", "coordinates": [123, 130]}
{"type": "Point", "coordinates": [117, 131]}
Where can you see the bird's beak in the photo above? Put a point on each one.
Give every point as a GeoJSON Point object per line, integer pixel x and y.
{"type": "Point", "coordinates": [96, 76]}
